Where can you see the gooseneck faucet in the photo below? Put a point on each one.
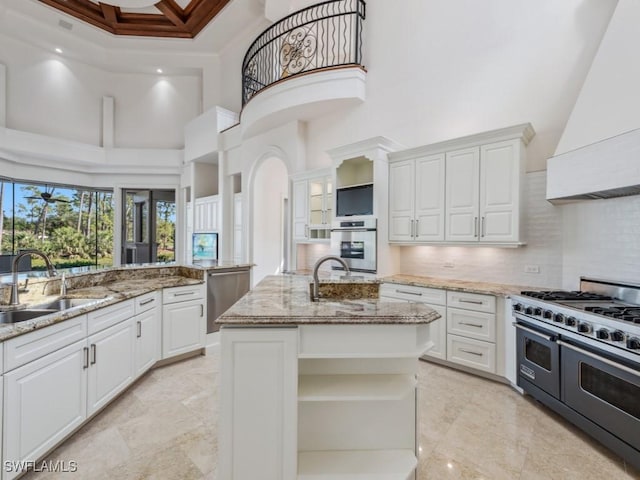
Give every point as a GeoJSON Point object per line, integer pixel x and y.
{"type": "Point", "coordinates": [14, 272]}
{"type": "Point", "coordinates": [316, 280]}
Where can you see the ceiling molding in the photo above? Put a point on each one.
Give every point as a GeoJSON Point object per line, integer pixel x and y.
{"type": "Point", "coordinates": [171, 21]}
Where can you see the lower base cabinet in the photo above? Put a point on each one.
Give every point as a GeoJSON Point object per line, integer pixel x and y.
{"type": "Point", "coordinates": [148, 340]}
{"type": "Point", "coordinates": [183, 327]}
{"type": "Point", "coordinates": [319, 402]}
{"type": "Point", "coordinates": [45, 400]}
{"type": "Point", "coordinates": [111, 363]}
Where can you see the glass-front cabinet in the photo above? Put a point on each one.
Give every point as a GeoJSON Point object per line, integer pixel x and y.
{"type": "Point", "coordinates": [312, 207]}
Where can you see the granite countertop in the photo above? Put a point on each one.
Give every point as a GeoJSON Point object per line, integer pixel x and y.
{"type": "Point", "coordinates": [220, 265]}
{"type": "Point", "coordinates": [285, 300]}
{"type": "Point", "coordinates": [117, 285]}
{"type": "Point", "coordinates": [499, 289]}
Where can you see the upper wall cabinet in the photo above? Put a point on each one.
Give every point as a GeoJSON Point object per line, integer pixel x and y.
{"type": "Point", "coordinates": [416, 199]}
{"type": "Point", "coordinates": [464, 191]}
{"type": "Point", "coordinates": [312, 209]}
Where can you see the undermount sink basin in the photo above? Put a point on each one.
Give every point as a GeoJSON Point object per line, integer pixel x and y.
{"type": "Point", "coordinates": [66, 303]}
{"type": "Point", "coordinates": [15, 316]}
{"type": "Point", "coordinates": [346, 290]}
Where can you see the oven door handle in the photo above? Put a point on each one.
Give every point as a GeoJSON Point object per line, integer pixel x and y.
{"type": "Point", "coordinates": [611, 363]}
{"type": "Point", "coordinates": [548, 338]}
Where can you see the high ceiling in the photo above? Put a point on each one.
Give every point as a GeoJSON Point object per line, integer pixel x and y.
{"type": "Point", "coordinates": [166, 18]}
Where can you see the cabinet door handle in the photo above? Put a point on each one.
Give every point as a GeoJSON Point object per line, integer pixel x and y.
{"type": "Point", "coordinates": [483, 228]}
{"type": "Point", "coordinates": [182, 294]}
{"type": "Point", "coordinates": [147, 302]}
{"type": "Point", "coordinates": [477, 354]}
{"type": "Point", "coordinates": [408, 293]}
{"type": "Point", "coordinates": [85, 364]}
{"type": "Point", "coordinates": [471, 324]}
{"type": "Point", "coordinates": [202, 310]}
{"type": "Point", "coordinates": [411, 228]}
{"type": "Point", "coordinates": [475, 302]}
{"type": "Point", "coordinates": [93, 354]}
{"type": "Point", "coordinates": [475, 226]}
{"type": "Point", "coordinates": [306, 231]}
{"type": "Point", "coordinates": [139, 324]}
{"type": "Point", "coordinates": [417, 230]}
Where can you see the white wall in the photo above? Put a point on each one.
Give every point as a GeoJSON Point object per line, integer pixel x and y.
{"type": "Point", "coordinates": [601, 240]}
{"type": "Point", "coordinates": [439, 70]}
{"type": "Point", "coordinates": [609, 101]}
{"type": "Point", "coordinates": [543, 234]}
{"type": "Point", "coordinates": [270, 187]}
{"type": "Point", "coordinates": [54, 95]}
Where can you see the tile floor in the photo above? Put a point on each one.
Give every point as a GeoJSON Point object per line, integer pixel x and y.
{"type": "Point", "coordinates": [164, 428]}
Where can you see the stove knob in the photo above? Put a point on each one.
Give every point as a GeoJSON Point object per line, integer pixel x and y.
{"type": "Point", "coordinates": [603, 334]}
{"type": "Point", "coordinates": [584, 327]}
{"type": "Point", "coordinates": [558, 317]}
{"type": "Point", "coordinates": [617, 336]}
{"type": "Point", "coordinates": [548, 314]}
{"type": "Point", "coordinates": [528, 310]}
{"type": "Point", "coordinates": [537, 311]}
{"type": "Point", "coordinates": [633, 343]}
{"type": "Point", "coordinates": [570, 321]}
{"type": "Point", "coordinates": [518, 307]}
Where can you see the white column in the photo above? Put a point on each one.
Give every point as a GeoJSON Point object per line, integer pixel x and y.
{"type": "Point", "coordinates": [3, 95]}
{"type": "Point", "coordinates": [108, 122]}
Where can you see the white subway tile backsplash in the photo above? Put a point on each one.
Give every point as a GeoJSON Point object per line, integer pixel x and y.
{"type": "Point", "coordinates": [543, 234]}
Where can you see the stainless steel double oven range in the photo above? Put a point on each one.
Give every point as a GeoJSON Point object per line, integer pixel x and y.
{"type": "Point", "coordinates": [579, 354]}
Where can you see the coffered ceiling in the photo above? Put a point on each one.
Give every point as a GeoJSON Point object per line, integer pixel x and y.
{"type": "Point", "coordinates": [163, 18]}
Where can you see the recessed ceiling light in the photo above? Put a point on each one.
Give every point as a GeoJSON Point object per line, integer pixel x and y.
{"type": "Point", "coordinates": [58, 50]}
{"type": "Point", "coordinates": [159, 70]}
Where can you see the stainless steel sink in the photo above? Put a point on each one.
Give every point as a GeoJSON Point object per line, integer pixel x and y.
{"type": "Point", "coordinates": [66, 303]}
{"type": "Point", "coordinates": [15, 316]}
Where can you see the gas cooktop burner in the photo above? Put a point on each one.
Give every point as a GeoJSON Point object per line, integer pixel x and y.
{"type": "Point", "coordinates": [628, 314]}
{"type": "Point", "coordinates": [563, 296]}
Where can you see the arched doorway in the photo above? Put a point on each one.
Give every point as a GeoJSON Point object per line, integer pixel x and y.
{"type": "Point", "coordinates": [269, 217]}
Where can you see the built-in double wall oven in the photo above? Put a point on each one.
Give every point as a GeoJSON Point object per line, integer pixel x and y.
{"type": "Point", "coordinates": [355, 242]}
{"type": "Point", "coordinates": [584, 368]}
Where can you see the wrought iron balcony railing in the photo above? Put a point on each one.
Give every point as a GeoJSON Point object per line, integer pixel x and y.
{"type": "Point", "coordinates": [325, 35]}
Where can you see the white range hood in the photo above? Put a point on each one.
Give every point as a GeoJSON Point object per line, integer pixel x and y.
{"type": "Point", "coordinates": [606, 169]}
{"type": "Point", "coordinates": [598, 155]}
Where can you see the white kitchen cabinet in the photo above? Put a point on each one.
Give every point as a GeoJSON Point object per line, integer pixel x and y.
{"type": "Point", "coordinates": [183, 320]}
{"type": "Point", "coordinates": [312, 209]}
{"type": "Point", "coordinates": [148, 332]}
{"type": "Point", "coordinates": [207, 214]}
{"type": "Point", "coordinates": [238, 249]}
{"type": "Point", "coordinates": [472, 330]}
{"type": "Point", "coordinates": [258, 401]}
{"type": "Point", "coordinates": [462, 194]}
{"type": "Point", "coordinates": [45, 400]}
{"type": "Point", "coordinates": [111, 363]}
{"type": "Point", "coordinates": [432, 298]}
{"type": "Point", "coordinates": [483, 198]}
{"type": "Point", "coordinates": [416, 199]}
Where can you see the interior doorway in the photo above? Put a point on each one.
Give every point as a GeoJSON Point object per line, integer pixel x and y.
{"type": "Point", "coordinates": [269, 242]}
{"type": "Point", "coordinates": [149, 226]}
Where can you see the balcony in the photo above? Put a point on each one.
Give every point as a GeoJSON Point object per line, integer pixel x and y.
{"type": "Point", "coordinates": [307, 64]}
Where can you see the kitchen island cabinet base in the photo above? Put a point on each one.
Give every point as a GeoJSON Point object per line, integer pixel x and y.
{"type": "Point", "coordinates": [319, 401]}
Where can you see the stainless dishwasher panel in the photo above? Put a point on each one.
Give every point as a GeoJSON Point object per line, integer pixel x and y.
{"type": "Point", "coordinates": [224, 288]}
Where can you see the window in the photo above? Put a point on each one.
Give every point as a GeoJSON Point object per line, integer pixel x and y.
{"type": "Point", "coordinates": [72, 225]}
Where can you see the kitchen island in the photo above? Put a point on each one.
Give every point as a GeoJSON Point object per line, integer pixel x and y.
{"type": "Point", "coordinates": [318, 389]}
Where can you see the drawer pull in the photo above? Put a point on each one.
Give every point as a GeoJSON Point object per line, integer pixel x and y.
{"type": "Point", "coordinates": [147, 302]}
{"type": "Point", "coordinates": [182, 294]}
{"type": "Point", "coordinates": [409, 293]}
{"type": "Point", "coordinates": [85, 364]}
{"type": "Point", "coordinates": [478, 354]}
{"type": "Point", "coordinates": [472, 324]}
{"type": "Point", "coordinates": [93, 354]}
{"type": "Point", "coordinates": [475, 302]}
